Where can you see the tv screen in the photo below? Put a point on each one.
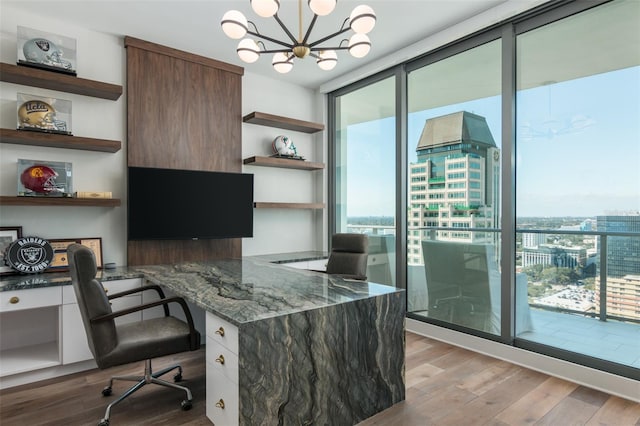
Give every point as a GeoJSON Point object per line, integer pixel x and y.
{"type": "Point", "coordinates": [170, 204]}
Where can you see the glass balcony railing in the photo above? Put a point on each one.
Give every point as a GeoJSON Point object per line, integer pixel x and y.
{"type": "Point", "coordinates": [578, 291]}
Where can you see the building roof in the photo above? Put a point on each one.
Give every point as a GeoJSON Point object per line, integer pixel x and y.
{"type": "Point", "coordinates": [453, 128]}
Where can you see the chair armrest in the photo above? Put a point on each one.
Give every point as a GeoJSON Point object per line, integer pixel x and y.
{"type": "Point", "coordinates": [179, 300]}
{"type": "Point", "coordinates": [155, 287]}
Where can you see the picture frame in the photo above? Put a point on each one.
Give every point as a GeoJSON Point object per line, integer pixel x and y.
{"type": "Point", "coordinates": [8, 234]}
{"type": "Point", "coordinates": [60, 261]}
{"type": "Point", "coordinates": [38, 178]}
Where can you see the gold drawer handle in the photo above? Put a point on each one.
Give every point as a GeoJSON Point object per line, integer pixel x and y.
{"type": "Point", "coordinates": [220, 359]}
{"type": "Point", "coordinates": [220, 331]}
{"type": "Point", "coordinates": [220, 404]}
{"type": "Point", "coordinates": [14, 300]}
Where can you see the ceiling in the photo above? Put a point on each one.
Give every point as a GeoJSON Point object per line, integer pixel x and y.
{"type": "Point", "coordinates": [194, 26]}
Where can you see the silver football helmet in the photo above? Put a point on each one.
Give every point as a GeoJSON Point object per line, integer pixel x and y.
{"type": "Point", "coordinates": [43, 51]}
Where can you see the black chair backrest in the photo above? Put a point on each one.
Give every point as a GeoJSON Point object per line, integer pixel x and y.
{"type": "Point", "coordinates": [92, 301]}
{"type": "Point", "coordinates": [349, 253]}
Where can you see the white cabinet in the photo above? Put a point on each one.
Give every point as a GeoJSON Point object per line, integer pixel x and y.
{"type": "Point", "coordinates": [29, 332]}
{"type": "Point", "coordinates": [74, 339]}
{"type": "Point", "coordinates": [42, 327]}
{"type": "Point", "coordinates": [223, 405]}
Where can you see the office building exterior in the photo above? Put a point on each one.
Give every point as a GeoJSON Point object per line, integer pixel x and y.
{"type": "Point", "coordinates": [455, 183]}
{"type": "Point", "coordinates": [623, 265]}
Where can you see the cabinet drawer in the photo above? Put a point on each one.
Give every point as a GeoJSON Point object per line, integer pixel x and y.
{"type": "Point", "coordinates": [221, 359]}
{"type": "Point", "coordinates": [30, 298]}
{"type": "Point", "coordinates": [223, 406]}
{"type": "Point", "coordinates": [223, 332]}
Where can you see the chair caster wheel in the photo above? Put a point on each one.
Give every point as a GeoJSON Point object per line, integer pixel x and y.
{"type": "Point", "coordinates": [186, 405]}
{"type": "Point", "coordinates": [103, 422]}
{"type": "Point", "coordinates": [106, 392]}
{"type": "Point", "coordinates": [177, 377]}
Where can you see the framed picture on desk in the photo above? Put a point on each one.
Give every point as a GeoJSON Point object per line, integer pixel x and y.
{"type": "Point", "coordinates": [8, 234]}
{"type": "Point", "coordinates": [61, 262]}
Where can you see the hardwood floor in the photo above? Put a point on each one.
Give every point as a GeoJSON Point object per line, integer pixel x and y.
{"type": "Point", "coordinates": [446, 385]}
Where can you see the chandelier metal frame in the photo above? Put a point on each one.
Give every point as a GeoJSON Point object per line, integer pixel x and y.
{"type": "Point", "coordinates": [361, 21]}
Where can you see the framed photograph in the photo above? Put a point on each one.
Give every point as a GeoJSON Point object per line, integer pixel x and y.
{"type": "Point", "coordinates": [8, 234]}
{"type": "Point", "coordinates": [44, 178]}
{"type": "Point", "coordinates": [60, 261]}
{"type": "Point", "coordinates": [44, 50]}
{"type": "Point", "coordinates": [43, 114]}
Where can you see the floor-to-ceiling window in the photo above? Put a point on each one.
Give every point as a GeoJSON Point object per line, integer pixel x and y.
{"type": "Point", "coordinates": [453, 212]}
{"type": "Point", "coordinates": [365, 172]}
{"type": "Point", "coordinates": [578, 181]}
{"type": "Point", "coordinates": [521, 180]}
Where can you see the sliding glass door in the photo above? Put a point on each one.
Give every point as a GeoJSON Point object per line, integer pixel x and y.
{"type": "Point", "coordinates": [578, 182]}
{"type": "Point", "coordinates": [511, 180]}
{"type": "Point", "coordinates": [365, 172]}
{"type": "Point", "coordinates": [453, 214]}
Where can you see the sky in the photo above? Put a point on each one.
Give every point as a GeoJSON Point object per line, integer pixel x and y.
{"type": "Point", "coordinates": [577, 149]}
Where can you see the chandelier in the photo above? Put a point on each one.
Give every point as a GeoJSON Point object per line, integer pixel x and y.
{"type": "Point", "coordinates": [236, 26]}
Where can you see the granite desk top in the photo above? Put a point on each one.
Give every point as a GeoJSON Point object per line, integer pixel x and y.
{"type": "Point", "coordinates": [237, 290]}
{"type": "Point", "coordinates": [50, 279]}
{"type": "Point", "coordinates": [248, 289]}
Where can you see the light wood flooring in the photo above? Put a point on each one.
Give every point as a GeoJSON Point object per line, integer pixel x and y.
{"type": "Point", "coordinates": [446, 385]}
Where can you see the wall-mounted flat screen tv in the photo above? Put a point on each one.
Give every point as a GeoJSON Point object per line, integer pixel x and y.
{"type": "Point", "coordinates": [171, 204]}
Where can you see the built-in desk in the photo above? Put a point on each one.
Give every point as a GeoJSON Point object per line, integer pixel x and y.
{"type": "Point", "coordinates": [283, 345]}
{"type": "Point", "coordinates": [289, 346]}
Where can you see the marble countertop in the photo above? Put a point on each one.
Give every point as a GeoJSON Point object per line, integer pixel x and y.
{"type": "Point", "coordinates": [249, 289]}
{"type": "Point", "coordinates": [299, 256]}
{"type": "Point", "coordinates": [48, 279]}
{"type": "Point", "coordinates": [238, 290]}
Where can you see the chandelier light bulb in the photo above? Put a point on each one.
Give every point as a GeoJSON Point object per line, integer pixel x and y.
{"type": "Point", "coordinates": [327, 60]}
{"type": "Point", "coordinates": [265, 8]}
{"type": "Point", "coordinates": [282, 62]}
{"type": "Point", "coordinates": [322, 7]}
{"type": "Point", "coordinates": [359, 45]}
{"type": "Point", "coordinates": [248, 50]}
{"type": "Point", "coordinates": [362, 19]}
{"type": "Point", "coordinates": [234, 24]}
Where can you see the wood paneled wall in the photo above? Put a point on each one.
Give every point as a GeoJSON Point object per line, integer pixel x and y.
{"type": "Point", "coordinates": [184, 111]}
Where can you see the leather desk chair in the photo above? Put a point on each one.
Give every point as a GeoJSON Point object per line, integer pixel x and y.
{"type": "Point", "coordinates": [348, 257]}
{"type": "Point", "coordinates": [114, 344]}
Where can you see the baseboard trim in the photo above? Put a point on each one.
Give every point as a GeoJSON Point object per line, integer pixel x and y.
{"type": "Point", "coordinates": [596, 379]}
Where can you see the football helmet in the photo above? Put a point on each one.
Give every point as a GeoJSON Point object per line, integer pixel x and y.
{"type": "Point", "coordinates": [43, 51]}
{"type": "Point", "coordinates": [283, 145]}
{"type": "Point", "coordinates": [38, 115]}
{"type": "Point", "coordinates": [41, 179]}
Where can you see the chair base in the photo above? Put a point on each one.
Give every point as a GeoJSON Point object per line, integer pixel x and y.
{"type": "Point", "coordinates": [148, 378]}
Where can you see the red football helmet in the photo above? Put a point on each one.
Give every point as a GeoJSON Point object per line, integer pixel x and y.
{"type": "Point", "coordinates": [40, 178]}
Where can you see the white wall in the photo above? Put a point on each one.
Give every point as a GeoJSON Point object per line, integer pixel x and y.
{"type": "Point", "coordinates": [102, 57]}
{"type": "Point", "coordinates": [276, 230]}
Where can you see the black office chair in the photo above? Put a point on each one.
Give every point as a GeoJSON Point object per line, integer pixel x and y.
{"type": "Point", "coordinates": [115, 344]}
{"type": "Point", "coordinates": [348, 257]}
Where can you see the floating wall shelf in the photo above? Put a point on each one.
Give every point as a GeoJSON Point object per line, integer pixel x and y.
{"type": "Point", "coordinates": [287, 123]}
{"type": "Point", "coordinates": [58, 81]}
{"type": "Point", "coordinates": [282, 163]}
{"type": "Point", "coordinates": [26, 137]}
{"type": "Point", "coordinates": [61, 201]}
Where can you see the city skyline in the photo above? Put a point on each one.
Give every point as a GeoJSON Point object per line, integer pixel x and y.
{"type": "Point", "coordinates": [587, 166]}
